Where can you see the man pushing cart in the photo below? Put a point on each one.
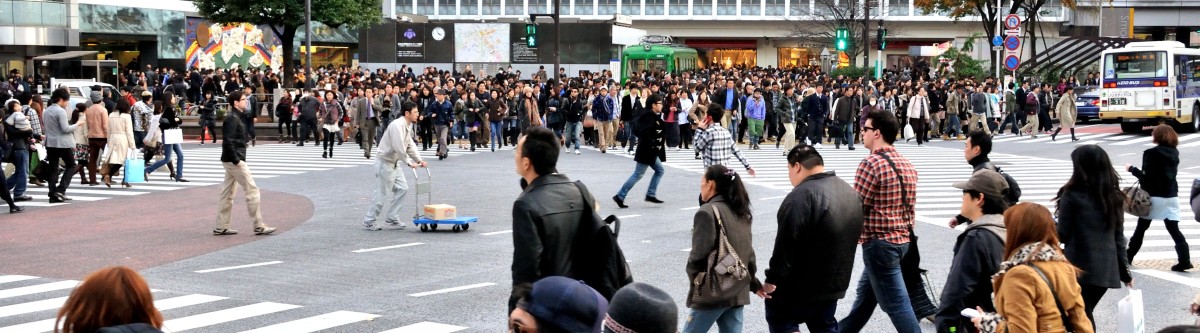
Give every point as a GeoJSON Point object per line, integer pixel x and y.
{"type": "Point", "coordinates": [395, 146]}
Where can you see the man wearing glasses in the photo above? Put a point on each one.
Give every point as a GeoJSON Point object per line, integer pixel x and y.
{"type": "Point", "coordinates": [233, 158]}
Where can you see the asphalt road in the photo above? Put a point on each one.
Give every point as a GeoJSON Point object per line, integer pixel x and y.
{"type": "Point", "coordinates": [412, 281]}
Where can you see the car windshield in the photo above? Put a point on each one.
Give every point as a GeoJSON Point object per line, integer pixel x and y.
{"type": "Point", "coordinates": [1135, 65]}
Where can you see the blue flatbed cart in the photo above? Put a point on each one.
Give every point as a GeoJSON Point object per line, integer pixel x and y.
{"type": "Point", "coordinates": [425, 186]}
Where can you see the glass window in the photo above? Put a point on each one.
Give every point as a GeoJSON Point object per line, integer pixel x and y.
{"type": "Point", "coordinates": [27, 13]}
{"type": "Point", "coordinates": [702, 7]}
{"type": "Point", "coordinates": [425, 7]}
{"type": "Point", "coordinates": [584, 7]}
{"type": "Point", "coordinates": [446, 7]}
{"type": "Point", "coordinates": [404, 6]}
{"type": "Point", "coordinates": [727, 7]}
{"type": "Point", "coordinates": [898, 7]}
{"type": "Point", "coordinates": [55, 14]}
{"type": "Point", "coordinates": [1135, 65]}
{"type": "Point", "coordinates": [679, 7]}
{"type": "Point", "coordinates": [564, 7]}
{"type": "Point", "coordinates": [792, 57]}
{"type": "Point", "coordinates": [606, 7]}
{"type": "Point", "coordinates": [751, 7]}
{"type": "Point", "coordinates": [6, 13]}
{"type": "Point", "coordinates": [775, 7]}
{"type": "Point", "coordinates": [801, 7]}
{"type": "Point", "coordinates": [468, 7]}
{"type": "Point", "coordinates": [824, 8]}
{"type": "Point", "coordinates": [1052, 9]}
{"type": "Point", "coordinates": [539, 7]}
{"type": "Point", "coordinates": [631, 7]}
{"type": "Point", "coordinates": [514, 7]}
{"type": "Point", "coordinates": [491, 7]}
{"type": "Point", "coordinates": [654, 7]}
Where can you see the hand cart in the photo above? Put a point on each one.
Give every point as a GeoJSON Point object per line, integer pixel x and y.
{"type": "Point", "coordinates": [425, 186]}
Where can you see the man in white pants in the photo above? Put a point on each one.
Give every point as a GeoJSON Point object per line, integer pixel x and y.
{"type": "Point", "coordinates": [395, 146]}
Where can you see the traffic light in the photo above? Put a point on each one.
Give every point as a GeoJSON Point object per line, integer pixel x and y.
{"type": "Point", "coordinates": [531, 38]}
{"type": "Point", "coordinates": [842, 41]}
{"type": "Point", "coordinates": [881, 38]}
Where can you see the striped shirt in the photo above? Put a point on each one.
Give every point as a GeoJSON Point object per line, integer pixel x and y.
{"type": "Point", "coordinates": [715, 146]}
{"type": "Point", "coordinates": [888, 211]}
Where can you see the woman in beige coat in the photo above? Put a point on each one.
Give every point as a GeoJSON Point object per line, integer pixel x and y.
{"type": "Point", "coordinates": [1067, 113]}
{"type": "Point", "coordinates": [120, 141]}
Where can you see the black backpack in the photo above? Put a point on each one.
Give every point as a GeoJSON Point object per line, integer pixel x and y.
{"type": "Point", "coordinates": [1014, 191]}
{"type": "Point", "coordinates": [597, 258]}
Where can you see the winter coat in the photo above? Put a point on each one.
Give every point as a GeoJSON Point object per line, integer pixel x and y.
{"type": "Point", "coordinates": [1024, 300]}
{"type": "Point", "coordinates": [1067, 111]}
{"type": "Point", "coordinates": [814, 253]}
{"type": "Point", "coordinates": [978, 253]}
{"type": "Point", "coordinates": [705, 239]}
{"type": "Point", "coordinates": [1094, 242]}
{"type": "Point", "coordinates": [651, 145]}
{"type": "Point", "coordinates": [1159, 167]}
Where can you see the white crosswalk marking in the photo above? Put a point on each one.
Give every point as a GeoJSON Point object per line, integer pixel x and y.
{"type": "Point", "coordinates": [20, 303]}
{"type": "Point", "coordinates": [202, 167]}
{"type": "Point", "coordinates": [939, 168]}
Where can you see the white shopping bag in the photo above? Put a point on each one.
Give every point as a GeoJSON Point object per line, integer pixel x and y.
{"type": "Point", "coordinates": [908, 131]}
{"type": "Point", "coordinates": [1130, 315]}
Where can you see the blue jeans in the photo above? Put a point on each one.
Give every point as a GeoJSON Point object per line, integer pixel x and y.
{"type": "Point", "coordinates": [497, 134]}
{"type": "Point", "coordinates": [640, 170]}
{"type": "Point", "coordinates": [733, 129]}
{"type": "Point", "coordinates": [137, 138]}
{"type": "Point", "coordinates": [786, 316]}
{"type": "Point", "coordinates": [630, 136]}
{"type": "Point", "coordinates": [847, 136]}
{"type": "Point", "coordinates": [728, 320]}
{"type": "Point", "coordinates": [573, 130]}
{"type": "Point", "coordinates": [953, 125]}
{"type": "Point", "coordinates": [882, 284]}
{"type": "Point", "coordinates": [167, 149]}
{"type": "Point", "coordinates": [20, 176]}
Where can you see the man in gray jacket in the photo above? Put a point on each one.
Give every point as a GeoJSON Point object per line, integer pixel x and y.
{"type": "Point", "coordinates": [60, 141]}
{"type": "Point", "coordinates": [980, 103]}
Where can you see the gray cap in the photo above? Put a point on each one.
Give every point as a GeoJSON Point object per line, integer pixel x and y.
{"type": "Point", "coordinates": [985, 181]}
{"type": "Point", "coordinates": [95, 97]}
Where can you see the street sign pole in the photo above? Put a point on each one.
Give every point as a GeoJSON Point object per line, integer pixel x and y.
{"type": "Point", "coordinates": [997, 36]}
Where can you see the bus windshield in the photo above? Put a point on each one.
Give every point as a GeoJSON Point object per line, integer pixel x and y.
{"type": "Point", "coordinates": [1135, 65]}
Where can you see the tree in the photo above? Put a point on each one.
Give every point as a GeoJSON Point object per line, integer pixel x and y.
{"type": "Point", "coordinates": [285, 17]}
{"type": "Point", "coordinates": [986, 12]}
{"type": "Point", "coordinates": [829, 15]}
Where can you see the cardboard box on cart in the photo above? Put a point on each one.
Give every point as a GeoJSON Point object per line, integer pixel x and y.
{"type": "Point", "coordinates": [440, 212]}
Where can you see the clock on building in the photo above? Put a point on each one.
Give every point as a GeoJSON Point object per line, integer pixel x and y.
{"type": "Point", "coordinates": [439, 33]}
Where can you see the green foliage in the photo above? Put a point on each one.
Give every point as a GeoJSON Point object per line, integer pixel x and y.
{"type": "Point", "coordinates": [964, 64]}
{"type": "Point", "coordinates": [853, 72]}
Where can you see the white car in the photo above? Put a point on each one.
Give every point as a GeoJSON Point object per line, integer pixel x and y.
{"type": "Point", "coordinates": [80, 90]}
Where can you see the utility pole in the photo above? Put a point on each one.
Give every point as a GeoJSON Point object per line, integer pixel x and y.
{"type": "Point", "coordinates": [866, 34]}
{"type": "Point", "coordinates": [307, 43]}
{"type": "Point", "coordinates": [998, 50]}
{"type": "Point", "coordinates": [557, 34]}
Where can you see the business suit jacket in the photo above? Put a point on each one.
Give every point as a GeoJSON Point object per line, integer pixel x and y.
{"type": "Point", "coordinates": [59, 131]}
{"type": "Point", "coordinates": [360, 111]}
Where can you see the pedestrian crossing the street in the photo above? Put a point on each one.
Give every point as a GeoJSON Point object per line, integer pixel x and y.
{"type": "Point", "coordinates": [1114, 139]}
{"type": "Point", "coordinates": [202, 167]}
{"type": "Point", "coordinates": [937, 201]}
{"type": "Point", "coordinates": [29, 304]}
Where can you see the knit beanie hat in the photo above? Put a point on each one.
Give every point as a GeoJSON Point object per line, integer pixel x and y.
{"type": "Point", "coordinates": [568, 305]}
{"type": "Point", "coordinates": [96, 97]}
{"type": "Point", "coordinates": [642, 308]}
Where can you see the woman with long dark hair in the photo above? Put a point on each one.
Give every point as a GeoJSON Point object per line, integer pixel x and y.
{"type": "Point", "coordinates": [170, 120]}
{"type": "Point", "coordinates": [724, 214]}
{"type": "Point", "coordinates": [1157, 175]}
{"type": "Point", "coordinates": [116, 298]}
{"type": "Point", "coordinates": [1091, 224]}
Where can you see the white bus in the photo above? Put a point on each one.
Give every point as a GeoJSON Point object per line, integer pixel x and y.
{"type": "Point", "coordinates": [1145, 83]}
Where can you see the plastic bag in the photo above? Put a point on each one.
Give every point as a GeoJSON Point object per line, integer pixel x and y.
{"type": "Point", "coordinates": [1130, 315]}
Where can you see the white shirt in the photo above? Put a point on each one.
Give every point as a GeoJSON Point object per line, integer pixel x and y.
{"type": "Point", "coordinates": [397, 144]}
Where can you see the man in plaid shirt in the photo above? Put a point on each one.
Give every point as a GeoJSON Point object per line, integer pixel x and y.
{"type": "Point", "coordinates": [714, 143]}
{"type": "Point", "coordinates": [887, 183]}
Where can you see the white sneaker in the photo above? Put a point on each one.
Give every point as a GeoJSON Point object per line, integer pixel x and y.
{"type": "Point", "coordinates": [818, 145]}
{"type": "Point", "coordinates": [577, 152]}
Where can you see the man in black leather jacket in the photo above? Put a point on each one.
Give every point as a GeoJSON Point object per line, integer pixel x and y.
{"type": "Point", "coordinates": [545, 217]}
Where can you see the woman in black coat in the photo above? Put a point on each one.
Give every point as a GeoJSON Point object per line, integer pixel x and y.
{"type": "Point", "coordinates": [1159, 167]}
{"type": "Point", "coordinates": [1091, 224]}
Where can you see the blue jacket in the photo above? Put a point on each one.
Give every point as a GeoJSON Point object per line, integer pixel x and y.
{"type": "Point", "coordinates": [602, 108]}
{"type": "Point", "coordinates": [756, 109]}
{"type": "Point", "coordinates": [443, 110]}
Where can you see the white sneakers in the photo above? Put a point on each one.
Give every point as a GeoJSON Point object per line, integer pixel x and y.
{"type": "Point", "coordinates": [577, 152]}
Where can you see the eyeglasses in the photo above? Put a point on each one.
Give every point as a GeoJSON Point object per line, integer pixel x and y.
{"type": "Point", "coordinates": [869, 128]}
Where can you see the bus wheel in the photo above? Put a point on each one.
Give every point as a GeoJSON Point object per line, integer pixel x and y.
{"type": "Point", "coordinates": [1131, 127]}
{"type": "Point", "coordinates": [1195, 126]}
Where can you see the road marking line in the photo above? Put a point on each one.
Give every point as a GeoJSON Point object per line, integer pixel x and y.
{"type": "Point", "coordinates": [186, 300]}
{"type": "Point", "coordinates": [1170, 277]}
{"type": "Point", "coordinates": [224, 316]}
{"type": "Point", "coordinates": [238, 267]}
{"type": "Point", "coordinates": [426, 327]}
{"type": "Point", "coordinates": [36, 289]}
{"type": "Point", "coordinates": [15, 278]}
{"type": "Point", "coordinates": [317, 323]}
{"type": "Point", "coordinates": [386, 247]}
{"type": "Point", "coordinates": [772, 198]}
{"type": "Point", "coordinates": [50, 304]}
{"type": "Point", "coordinates": [31, 307]}
{"type": "Point", "coordinates": [690, 208]}
{"type": "Point", "coordinates": [686, 250]}
{"type": "Point", "coordinates": [450, 290]}
{"type": "Point", "coordinates": [627, 216]}
{"type": "Point", "coordinates": [496, 233]}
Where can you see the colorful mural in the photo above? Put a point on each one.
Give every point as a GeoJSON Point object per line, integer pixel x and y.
{"type": "Point", "coordinates": [242, 45]}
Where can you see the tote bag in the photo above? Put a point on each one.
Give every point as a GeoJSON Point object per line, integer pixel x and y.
{"type": "Point", "coordinates": [172, 136]}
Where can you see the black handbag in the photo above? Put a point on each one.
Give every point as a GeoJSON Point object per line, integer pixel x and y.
{"type": "Point", "coordinates": [920, 292]}
{"type": "Point", "coordinates": [358, 137]}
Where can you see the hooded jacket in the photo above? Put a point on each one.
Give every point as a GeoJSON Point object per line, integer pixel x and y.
{"type": "Point", "coordinates": [978, 253]}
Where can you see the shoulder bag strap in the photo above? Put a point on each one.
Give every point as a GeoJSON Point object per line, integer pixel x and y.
{"type": "Point", "coordinates": [900, 177]}
{"type": "Point", "coordinates": [1062, 312]}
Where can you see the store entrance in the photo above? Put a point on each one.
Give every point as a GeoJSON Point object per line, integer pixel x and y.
{"type": "Point", "coordinates": [730, 58]}
{"type": "Point", "coordinates": [126, 50]}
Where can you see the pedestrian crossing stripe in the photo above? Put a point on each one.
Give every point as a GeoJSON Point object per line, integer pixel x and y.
{"type": "Point", "coordinates": [203, 167]}
{"type": "Point", "coordinates": [938, 168]}
{"type": "Point", "coordinates": [1115, 139]}
{"type": "Point", "coordinates": [17, 309]}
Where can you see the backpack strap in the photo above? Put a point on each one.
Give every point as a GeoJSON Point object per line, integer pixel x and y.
{"type": "Point", "coordinates": [1061, 312]}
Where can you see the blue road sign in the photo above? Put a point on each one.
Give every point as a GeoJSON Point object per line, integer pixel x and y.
{"type": "Point", "coordinates": [996, 41]}
{"type": "Point", "coordinates": [1012, 43]}
{"type": "Point", "coordinates": [1011, 62]}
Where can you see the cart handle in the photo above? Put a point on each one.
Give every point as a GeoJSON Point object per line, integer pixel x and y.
{"type": "Point", "coordinates": [428, 174]}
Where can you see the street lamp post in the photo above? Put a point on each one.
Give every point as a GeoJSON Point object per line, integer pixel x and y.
{"type": "Point", "coordinates": [307, 42]}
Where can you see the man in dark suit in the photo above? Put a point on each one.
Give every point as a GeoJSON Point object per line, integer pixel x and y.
{"type": "Point", "coordinates": [651, 152]}
{"type": "Point", "coordinates": [731, 100]}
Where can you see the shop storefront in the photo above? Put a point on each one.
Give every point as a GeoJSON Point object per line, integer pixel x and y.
{"type": "Point", "coordinates": [725, 53]}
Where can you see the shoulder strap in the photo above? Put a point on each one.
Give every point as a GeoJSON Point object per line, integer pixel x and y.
{"type": "Point", "coordinates": [899, 176]}
{"type": "Point", "coordinates": [1062, 312]}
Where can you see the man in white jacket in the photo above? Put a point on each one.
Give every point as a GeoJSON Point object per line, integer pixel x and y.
{"type": "Point", "coordinates": [395, 146]}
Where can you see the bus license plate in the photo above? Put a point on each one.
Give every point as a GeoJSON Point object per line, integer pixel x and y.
{"type": "Point", "coordinates": [1116, 101]}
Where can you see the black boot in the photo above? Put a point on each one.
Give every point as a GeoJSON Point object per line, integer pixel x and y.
{"type": "Point", "coordinates": [1055, 134]}
{"type": "Point", "coordinates": [1073, 138]}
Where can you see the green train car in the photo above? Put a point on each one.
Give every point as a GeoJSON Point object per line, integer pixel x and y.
{"type": "Point", "coordinates": [657, 55]}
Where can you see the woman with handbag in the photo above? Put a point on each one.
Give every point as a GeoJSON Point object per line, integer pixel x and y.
{"type": "Point", "coordinates": [1036, 288]}
{"type": "Point", "coordinates": [1091, 224]}
{"type": "Point", "coordinates": [331, 113]}
{"type": "Point", "coordinates": [170, 123]}
{"type": "Point", "coordinates": [120, 141]}
{"type": "Point", "coordinates": [1157, 176]}
{"type": "Point", "coordinates": [721, 267]}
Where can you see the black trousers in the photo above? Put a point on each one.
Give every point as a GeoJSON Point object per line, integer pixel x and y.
{"type": "Point", "coordinates": [1091, 296]}
{"type": "Point", "coordinates": [53, 156]}
{"type": "Point", "coordinates": [784, 317]}
{"type": "Point", "coordinates": [286, 123]}
{"type": "Point", "coordinates": [307, 126]}
{"type": "Point", "coordinates": [211, 126]}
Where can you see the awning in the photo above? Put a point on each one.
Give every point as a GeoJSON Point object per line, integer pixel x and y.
{"type": "Point", "coordinates": [65, 55]}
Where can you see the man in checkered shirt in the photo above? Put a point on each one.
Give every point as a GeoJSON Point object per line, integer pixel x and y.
{"type": "Point", "coordinates": [714, 143]}
{"type": "Point", "coordinates": [887, 183]}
